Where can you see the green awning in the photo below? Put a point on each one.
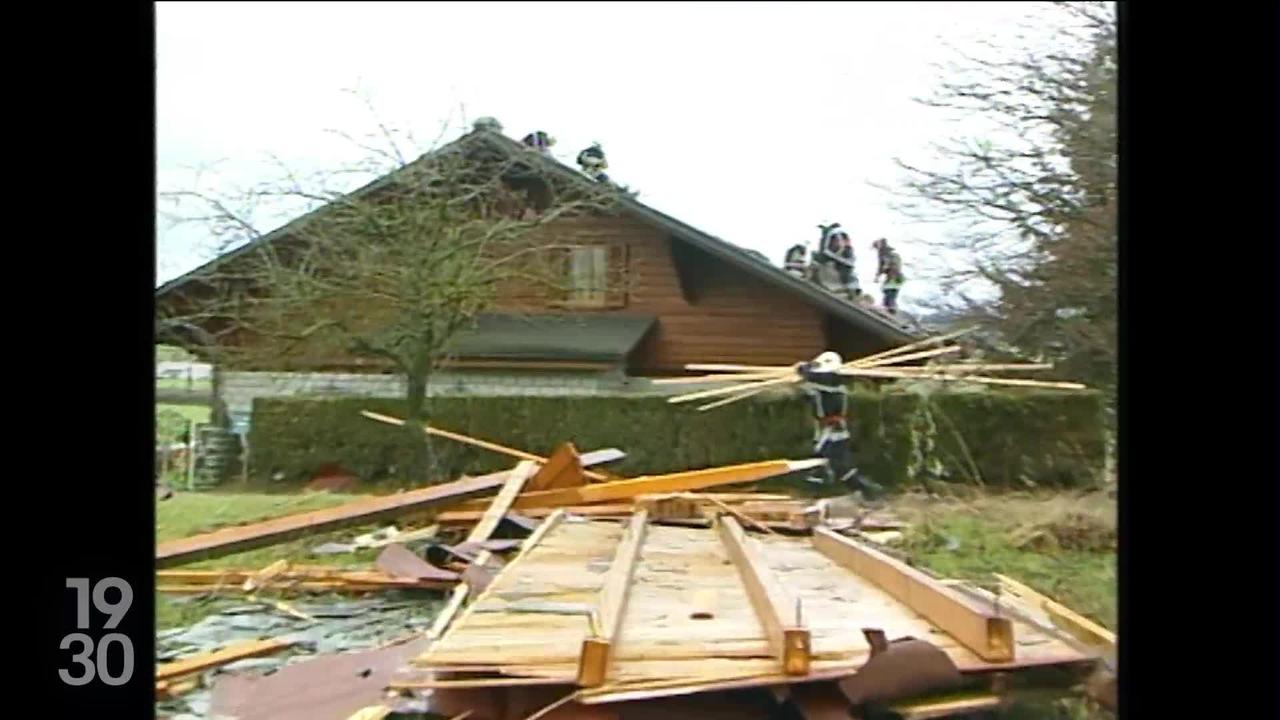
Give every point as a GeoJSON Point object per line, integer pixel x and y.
{"type": "Point", "coordinates": [580, 338]}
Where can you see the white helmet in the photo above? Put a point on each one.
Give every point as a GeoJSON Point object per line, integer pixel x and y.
{"type": "Point", "coordinates": [828, 362]}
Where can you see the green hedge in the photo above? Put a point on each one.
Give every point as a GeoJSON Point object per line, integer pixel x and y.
{"type": "Point", "coordinates": [900, 438]}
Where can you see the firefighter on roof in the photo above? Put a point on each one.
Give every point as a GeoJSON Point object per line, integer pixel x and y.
{"type": "Point", "coordinates": [835, 250]}
{"type": "Point", "coordinates": [890, 268]}
{"type": "Point", "coordinates": [540, 141]}
{"type": "Point", "coordinates": [593, 163]}
{"type": "Point", "coordinates": [796, 261]}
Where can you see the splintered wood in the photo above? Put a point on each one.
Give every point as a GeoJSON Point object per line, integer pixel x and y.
{"type": "Point", "coordinates": [537, 621]}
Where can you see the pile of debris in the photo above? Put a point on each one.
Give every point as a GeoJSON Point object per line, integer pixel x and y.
{"type": "Point", "coordinates": [572, 592]}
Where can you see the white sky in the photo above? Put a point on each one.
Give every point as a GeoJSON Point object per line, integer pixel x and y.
{"type": "Point", "coordinates": [751, 121]}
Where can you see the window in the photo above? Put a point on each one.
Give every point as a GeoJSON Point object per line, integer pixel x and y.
{"type": "Point", "coordinates": [594, 277]}
{"type": "Point", "coordinates": [588, 273]}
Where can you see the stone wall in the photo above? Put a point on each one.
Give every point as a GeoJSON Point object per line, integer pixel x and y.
{"type": "Point", "coordinates": [238, 389]}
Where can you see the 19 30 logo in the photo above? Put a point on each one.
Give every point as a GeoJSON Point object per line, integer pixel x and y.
{"type": "Point", "coordinates": [96, 659]}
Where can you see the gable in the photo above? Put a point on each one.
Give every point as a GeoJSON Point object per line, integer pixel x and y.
{"type": "Point", "coordinates": [684, 247]}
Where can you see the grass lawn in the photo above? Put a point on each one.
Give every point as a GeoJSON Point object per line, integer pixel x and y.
{"type": "Point", "coordinates": [198, 413]}
{"type": "Point", "coordinates": [1061, 544]}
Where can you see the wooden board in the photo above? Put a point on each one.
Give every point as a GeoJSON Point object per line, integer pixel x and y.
{"type": "Point", "coordinates": [236, 539]}
{"type": "Point", "coordinates": [1080, 627]}
{"type": "Point", "coordinates": [205, 661]}
{"type": "Point", "coordinates": [977, 627]}
{"type": "Point", "coordinates": [593, 664]}
{"type": "Point", "coordinates": [673, 482]}
{"type": "Point", "coordinates": [466, 517]}
{"type": "Point", "coordinates": [777, 610]}
{"type": "Point", "coordinates": [515, 482]}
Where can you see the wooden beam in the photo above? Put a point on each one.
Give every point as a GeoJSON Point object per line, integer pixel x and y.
{"type": "Point", "coordinates": [307, 586]}
{"type": "Point", "coordinates": [973, 624]}
{"type": "Point", "coordinates": [562, 469]}
{"type": "Point", "coordinates": [777, 610]}
{"type": "Point", "coordinates": [475, 442]}
{"type": "Point", "coordinates": [597, 650]}
{"type": "Point", "coordinates": [898, 351]}
{"type": "Point", "coordinates": [674, 482]}
{"type": "Point", "coordinates": [468, 516]}
{"type": "Point", "coordinates": [928, 708]}
{"type": "Point", "coordinates": [236, 576]}
{"type": "Point", "coordinates": [624, 509]}
{"type": "Point", "coordinates": [231, 653]}
{"type": "Point", "coordinates": [360, 512]}
{"type": "Point", "coordinates": [1081, 627]}
{"type": "Point", "coordinates": [516, 480]}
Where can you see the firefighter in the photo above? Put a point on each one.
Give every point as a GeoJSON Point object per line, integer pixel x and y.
{"type": "Point", "coordinates": [890, 268]}
{"type": "Point", "coordinates": [835, 249]}
{"type": "Point", "coordinates": [796, 261]}
{"type": "Point", "coordinates": [593, 163]}
{"type": "Point", "coordinates": [825, 386]}
{"type": "Point", "coordinates": [540, 141]}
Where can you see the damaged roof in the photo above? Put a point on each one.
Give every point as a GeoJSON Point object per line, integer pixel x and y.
{"type": "Point", "coordinates": [748, 261]}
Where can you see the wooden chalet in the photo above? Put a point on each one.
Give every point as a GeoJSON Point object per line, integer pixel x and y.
{"type": "Point", "coordinates": [687, 297]}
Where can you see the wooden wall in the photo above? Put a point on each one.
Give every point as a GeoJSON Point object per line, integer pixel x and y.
{"type": "Point", "coordinates": [717, 314]}
{"type": "Point", "coordinates": [707, 310]}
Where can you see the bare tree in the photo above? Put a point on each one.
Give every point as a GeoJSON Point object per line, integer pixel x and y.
{"type": "Point", "coordinates": [389, 273]}
{"type": "Point", "coordinates": [1032, 206]}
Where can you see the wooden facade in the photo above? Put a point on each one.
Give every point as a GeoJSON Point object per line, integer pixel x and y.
{"type": "Point", "coordinates": [706, 309]}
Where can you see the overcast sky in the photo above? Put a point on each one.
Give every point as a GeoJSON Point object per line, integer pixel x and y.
{"type": "Point", "coordinates": [751, 121]}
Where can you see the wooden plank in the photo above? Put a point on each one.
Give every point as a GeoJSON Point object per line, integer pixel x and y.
{"type": "Point", "coordinates": [772, 512]}
{"type": "Point", "coordinates": [276, 530]}
{"type": "Point", "coordinates": [205, 661]}
{"type": "Point", "coordinates": [295, 573]}
{"type": "Point", "coordinates": [373, 712]}
{"type": "Point", "coordinates": [516, 480]}
{"type": "Point", "coordinates": [468, 440]}
{"type": "Point", "coordinates": [306, 586]}
{"type": "Point", "coordinates": [973, 624]}
{"type": "Point", "coordinates": [1081, 627]}
{"type": "Point", "coordinates": [774, 606]}
{"type": "Point", "coordinates": [673, 482]}
{"type": "Point", "coordinates": [602, 456]}
{"type": "Point", "coordinates": [951, 705]}
{"type": "Point", "coordinates": [562, 469]}
{"type": "Point", "coordinates": [593, 663]}
{"type": "Point", "coordinates": [466, 517]}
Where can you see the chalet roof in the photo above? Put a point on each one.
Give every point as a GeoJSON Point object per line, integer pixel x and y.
{"type": "Point", "coordinates": [748, 261]}
{"type": "Point", "coordinates": [583, 338]}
